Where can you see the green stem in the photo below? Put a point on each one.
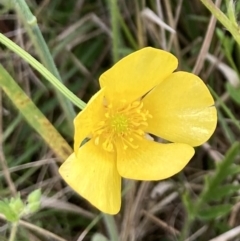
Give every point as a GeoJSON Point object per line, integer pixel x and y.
{"type": "Point", "coordinates": [13, 232]}
{"type": "Point", "coordinates": [186, 228]}
{"type": "Point", "coordinates": [231, 12]}
{"type": "Point", "coordinates": [115, 29]}
{"type": "Point", "coordinates": [222, 18]}
{"type": "Point", "coordinates": [111, 227]}
{"type": "Point", "coordinates": [127, 32]}
{"type": "Point", "coordinates": [41, 47]}
{"type": "Point", "coordinates": [41, 69]}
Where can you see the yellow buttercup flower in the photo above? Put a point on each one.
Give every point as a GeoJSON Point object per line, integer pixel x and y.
{"type": "Point", "coordinates": [140, 95]}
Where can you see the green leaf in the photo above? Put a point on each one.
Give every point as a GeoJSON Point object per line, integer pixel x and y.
{"type": "Point", "coordinates": [233, 170]}
{"type": "Point", "coordinates": [222, 191]}
{"type": "Point", "coordinates": [231, 12]}
{"type": "Point", "coordinates": [222, 170]}
{"type": "Point", "coordinates": [34, 196]}
{"type": "Point", "coordinates": [214, 212]}
{"type": "Point", "coordinates": [17, 206]}
{"type": "Point", "coordinates": [189, 204]}
{"type": "Point", "coordinates": [214, 181]}
{"type": "Point", "coordinates": [9, 214]}
{"type": "Point", "coordinates": [3, 207]}
{"type": "Point", "coordinates": [34, 201]}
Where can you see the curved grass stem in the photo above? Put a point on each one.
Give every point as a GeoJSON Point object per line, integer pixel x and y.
{"type": "Point", "coordinates": [41, 69]}
{"type": "Point", "coordinates": [222, 18]}
{"type": "Point", "coordinates": [42, 49]}
{"type": "Point", "coordinates": [13, 232]}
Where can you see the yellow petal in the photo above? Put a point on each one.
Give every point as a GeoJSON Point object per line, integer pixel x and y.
{"type": "Point", "coordinates": [153, 161]}
{"type": "Point", "coordinates": [84, 122]}
{"type": "Point", "coordinates": [93, 174]}
{"type": "Point", "coordinates": [136, 74]}
{"type": "Point", "coordinates": [182, 110]}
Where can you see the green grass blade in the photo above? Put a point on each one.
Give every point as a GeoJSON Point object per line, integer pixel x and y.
{"type": "Point", "coordinates": [41, 47]}
{"type": "Point", "coordinates": [113, 6]}
{"type": "Point", "coordinates": [41, 69]}
{"type": "Point", "coordinates": [34, 117]}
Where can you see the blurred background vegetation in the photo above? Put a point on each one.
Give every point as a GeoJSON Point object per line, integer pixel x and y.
{"type": "Point", "coordinates": [85, 38]}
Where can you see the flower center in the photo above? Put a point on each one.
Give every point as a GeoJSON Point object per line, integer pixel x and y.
{"type": "Point", "coordinates": [122, 126]}
{"type": "Point", "coordinates": [119, 124]}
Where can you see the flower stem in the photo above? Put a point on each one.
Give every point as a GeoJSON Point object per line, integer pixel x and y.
{"type": "Point", "coordinates": [222, 18]}
{"type": "Point", "coordinates": [13, 231]}
{"type": "Point", "coordinates": [41, 47]}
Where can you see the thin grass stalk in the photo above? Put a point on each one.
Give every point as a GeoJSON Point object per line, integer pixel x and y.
{"type": "Point", "coordinates": [89, 227]}
{"type": "Point", "coordinates": [127, 32]}
{"type": "Point", "coordinates": [42, 49]}
{"type": "Point", "coordinates": [115, 29]}
{"type": "Point", "coordinates": [111, 227]}
{"type": "Point", "coordinates": [222, 18]}
{"type": "Point", "coordinates": [41, 69]}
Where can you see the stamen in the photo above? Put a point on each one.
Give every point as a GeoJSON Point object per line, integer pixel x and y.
{"type": "Point", "coordinates": [122, 126]}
